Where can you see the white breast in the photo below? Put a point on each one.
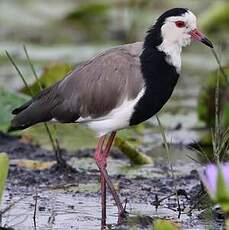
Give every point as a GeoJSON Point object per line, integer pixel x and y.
{"type": "Point", "coordinates": [116, 119]}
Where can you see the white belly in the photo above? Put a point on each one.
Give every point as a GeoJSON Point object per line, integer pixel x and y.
{"type": "Point", "coordinates": [117, 119]}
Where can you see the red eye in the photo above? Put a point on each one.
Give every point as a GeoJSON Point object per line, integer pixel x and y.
{"type": "Point", "coordinates": [180, 24]}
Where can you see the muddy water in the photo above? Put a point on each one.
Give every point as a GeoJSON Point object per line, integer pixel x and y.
{"type": "Point", "coordinates": [68, 200]}
{"type": "Point", "coordinates": [75, 204]}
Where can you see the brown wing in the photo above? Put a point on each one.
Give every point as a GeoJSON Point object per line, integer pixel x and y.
{"type": "Point", "coordinates": [104, 82]}
{"type": "Point", "coordinates": [94, 89]}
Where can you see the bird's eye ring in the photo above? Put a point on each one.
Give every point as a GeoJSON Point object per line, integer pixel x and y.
{"type": "Point", "coordinates": [180, 24]}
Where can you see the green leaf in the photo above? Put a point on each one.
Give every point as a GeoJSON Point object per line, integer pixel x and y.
{"type": "Point", "coordinates": [4, 166]}
{"type": "Point", "coordinates": [165, 225]}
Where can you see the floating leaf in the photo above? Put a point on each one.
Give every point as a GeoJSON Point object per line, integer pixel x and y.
{"type": "Point", "coordinates": [32, 164]}
{"type": "Point", "coordinates": [70, 136]}
{"type": "Point", "coordinates": [165, 225]}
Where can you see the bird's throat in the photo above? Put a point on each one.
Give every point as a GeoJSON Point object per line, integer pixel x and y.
{"type": "Point", "coordinates": [172, 51]}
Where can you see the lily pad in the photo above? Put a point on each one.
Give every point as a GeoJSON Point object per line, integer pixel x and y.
{"type": "Point", "coordinates": [69, 136]}
{"type": "Point", "coordinates": [33, 164]}
{"type": "Point", "coordinates": [165, 225]}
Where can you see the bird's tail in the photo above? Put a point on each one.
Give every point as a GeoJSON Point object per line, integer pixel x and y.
{"type": "Point", "coordinates": [27, 115]}
{"type": "Point", "coordinates": [34, 111]}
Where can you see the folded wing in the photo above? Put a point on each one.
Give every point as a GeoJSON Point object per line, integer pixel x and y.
{"type": "Point", "coordinates": [92, 90]}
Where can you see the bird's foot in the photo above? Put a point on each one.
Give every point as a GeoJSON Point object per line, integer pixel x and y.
{"type": "Point", "coordinates": [63, 167]}
{"type": "Point", "coordinates": [122, 214]}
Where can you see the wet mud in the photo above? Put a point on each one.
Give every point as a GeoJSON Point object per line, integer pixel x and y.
{"type": "Point", "coordinates": [70, 200]}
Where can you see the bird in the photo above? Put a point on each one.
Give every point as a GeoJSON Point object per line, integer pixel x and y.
{"type": "Point", "coordinates": [117, 89]}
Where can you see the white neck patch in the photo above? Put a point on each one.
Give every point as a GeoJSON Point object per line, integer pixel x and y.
{"type": "Point", "coordinates": [173, 54]}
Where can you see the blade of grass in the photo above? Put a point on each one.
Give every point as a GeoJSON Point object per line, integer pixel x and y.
{"type": "Point", "coordinates": [31, 94]}
{"type": "Point", "coordinates": [220, 66]}
{"type": "Point", "coordinates": [200, 151]}
{"type": "Point", "coordinates": [217, 118]}
{"type": "Point", "coordinates": [19, 72]}
{"type": "Point", "coordinates": [162, 130]}
{"type": "Point", "coordinates": [32, 66]}
{"type": "Point", "coordinates": [220, 139]}
{"type": "Point", "coordinates": [225, 144]}
{"type": "Point", "coordinates": [193, 159]}
{"type": "Point", "coordinates": [54, 140]}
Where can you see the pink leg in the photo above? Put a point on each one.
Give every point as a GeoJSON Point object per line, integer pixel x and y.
{"type": "Point", "coordinates": [101, 160]}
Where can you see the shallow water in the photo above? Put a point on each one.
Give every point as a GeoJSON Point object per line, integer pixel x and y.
{"type": "Point", "coordinates": [72, 201]}
{"type": "Point", "coordinates": [76, 204]}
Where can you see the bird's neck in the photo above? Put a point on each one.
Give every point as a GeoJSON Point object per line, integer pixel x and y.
{"type": "Point", "coordinates": [160, 78]}
{"type": "Point", "coordinates": [171, 49]}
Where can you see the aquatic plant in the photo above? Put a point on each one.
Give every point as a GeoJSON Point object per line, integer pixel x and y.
{"type": "Point", "coordinates": [4, 166]}
{"type": "Point", "coordinates": [214, 110]}
{"type": "Point", "coordinates": [206, 107]}
{"type": "Point", "coordinates": [215, 177]}
{"type": "Point", "coordinates": [54, 142]}
{"type": "Point", "coordinates": [161, 224]}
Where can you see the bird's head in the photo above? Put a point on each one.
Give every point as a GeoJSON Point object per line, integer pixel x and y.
{"type": "Point", "coordinates": [177, 26]}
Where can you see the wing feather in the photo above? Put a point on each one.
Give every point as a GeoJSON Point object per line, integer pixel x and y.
{"type": "Point", "coordinates": [104, 82]}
